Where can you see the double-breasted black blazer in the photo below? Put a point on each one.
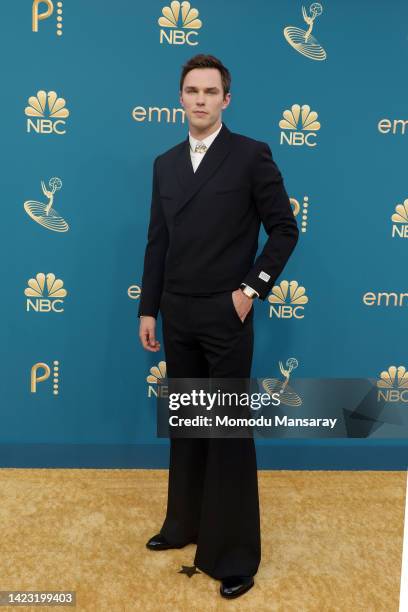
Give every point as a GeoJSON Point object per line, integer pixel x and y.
{"type": "Point", "coordinates": [204, 226]}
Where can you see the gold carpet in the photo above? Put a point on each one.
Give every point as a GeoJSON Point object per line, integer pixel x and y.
{"type": "Point", "coordinates": [331, 541]}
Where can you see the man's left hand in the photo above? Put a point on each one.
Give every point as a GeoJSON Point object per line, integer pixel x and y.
{"type": "Point", "coordinates": [242, 303]}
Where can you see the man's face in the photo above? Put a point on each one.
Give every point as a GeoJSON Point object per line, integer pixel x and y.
{"type": "Point", "coordinates": [203, 97]}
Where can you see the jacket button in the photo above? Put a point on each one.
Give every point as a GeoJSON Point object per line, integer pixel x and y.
{"type": "Point", "coordinates": [176, 221]}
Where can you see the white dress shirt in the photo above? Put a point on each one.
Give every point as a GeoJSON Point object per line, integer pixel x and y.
{"type": "Point", "coordinates": [197, 157]}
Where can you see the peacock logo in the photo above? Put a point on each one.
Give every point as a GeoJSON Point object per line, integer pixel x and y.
{"type": "Point", "coordinates": [392, 384]}
{"type": "Point", "coordinates": [179, 15]}
{"type": "Point", "coordinates": [302, 125]}
{"type": "Point", "coordinates": [302, 40]}
{"type": "Point", "coordinates": [287, 300]}
{"type": "Point", "coordinates": [299, 118]}
{"type": "Point", "coordinates": [155, 380]}
{"type": "Point", "coordinates": [45, 293]}
{"type": "Point", "coordinates": [393, 378]}
{"type": "Point", "coordinates": [48, 113]}
{"type": "Point", "coordinates": [400, 220]}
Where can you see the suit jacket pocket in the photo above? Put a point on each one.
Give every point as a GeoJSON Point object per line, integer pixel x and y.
{"type": "Point", "coordinates": [232, 305]}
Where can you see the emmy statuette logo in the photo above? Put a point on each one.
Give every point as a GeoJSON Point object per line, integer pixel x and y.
{"type": "Point", "coordinates": [287, 300]}
{"type": "Point", "coordinates": [43, 9]}
{"type": "Point", "coordinates": [48, 113]}
{"type": "Point", "coordinates": [299, 126]}
{"type": "Point", "coordinates": [173, 18]}
{"type": "Point", "coordinates": [392, 385]}
{"type": "Point", "coordinates": [288, 397]}
{"type": "Point", "coordinates": [45, 293]}
{"type": "Point", "coordinates": [304, 208]}
{"type": "Point", "coordinates": [156, 388]}
{"type": "Point", "coordinates": [302, 40]}
{"type": "Point", "coordinates": [43, 212]}
{"type": "Point", "coordinates": [41, 372]}
{"type": "Point", "coordinates": [400, 220]}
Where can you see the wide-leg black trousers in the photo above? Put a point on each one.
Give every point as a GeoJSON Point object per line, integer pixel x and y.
{"type": "Point", "coordinates": [213, 486]}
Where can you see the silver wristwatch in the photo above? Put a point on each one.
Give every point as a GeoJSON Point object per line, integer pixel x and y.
{"type": "Point", "coordinates": [249, 292]}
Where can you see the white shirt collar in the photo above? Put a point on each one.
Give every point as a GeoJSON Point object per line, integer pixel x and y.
{"type": "Point", "coordinates": [207, 141]}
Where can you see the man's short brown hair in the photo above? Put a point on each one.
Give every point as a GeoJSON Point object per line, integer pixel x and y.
{"type": "Point", "coordinates": [207, 61]}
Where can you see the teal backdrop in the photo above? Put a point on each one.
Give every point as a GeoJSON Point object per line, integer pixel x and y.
{"type": "Point", "coordinates": [350, 168]}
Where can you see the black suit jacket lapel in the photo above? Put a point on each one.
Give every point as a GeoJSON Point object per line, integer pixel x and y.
{"type": "Point", "coordinates": [191, 182]}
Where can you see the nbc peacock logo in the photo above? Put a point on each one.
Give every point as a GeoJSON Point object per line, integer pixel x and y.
{"type": "Point", "coordinates": [392, 385]}
{"type": "Point", "coordinates": [179, 24]}
{"type": "Point", "coordinates": [48, 113]}
{"type": "Point", "coordinates": [299, 126]}
{"type": "Point", "coordinates": [400, 220]}
{"type": "Point", "coordinates": [302, 40]}
{"type": "Point", "coordinates": [45, 293]}
{"type": "Point", "coordinates": [287, 300]}
{"type": "Point", "coordinates": [44, 213]}
{"type": "Point", "coordinates": [155, 380]}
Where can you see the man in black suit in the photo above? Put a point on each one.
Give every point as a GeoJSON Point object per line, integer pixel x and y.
{"type": "Point", "coordinates": [210, 194]}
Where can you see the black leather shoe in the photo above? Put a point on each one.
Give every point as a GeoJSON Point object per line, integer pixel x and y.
{"type": "Point", "coordinates": [159, 542]}
{"type": "Point", "coordinates": [234, 586]}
